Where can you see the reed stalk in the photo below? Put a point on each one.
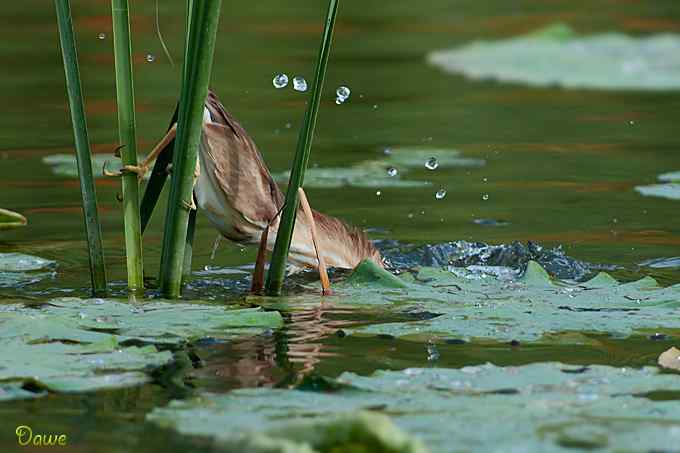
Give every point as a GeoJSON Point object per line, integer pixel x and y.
{"type": "Point", "coordinates": [195, 80]}
{"type": "Point", "coordinates": [277, 267]}
{"type": "Point", "coordinates": [82, 144]}
{"type": "Point", "coordinates": [122, 47]}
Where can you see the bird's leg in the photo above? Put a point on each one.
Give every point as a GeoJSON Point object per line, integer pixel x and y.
{"type": "Point", "coordinates": [142, 169]}
{"type": "Point", "coordinates": [323, 274]}
{"type": "Point", "coordinates": [258, 274]}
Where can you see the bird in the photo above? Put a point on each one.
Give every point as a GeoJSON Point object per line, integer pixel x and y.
{"type": "Point", "coordinates": [237, 193]}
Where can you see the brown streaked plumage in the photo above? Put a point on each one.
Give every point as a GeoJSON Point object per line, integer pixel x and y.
{"type": "Point", "coordinates": [239, 195]}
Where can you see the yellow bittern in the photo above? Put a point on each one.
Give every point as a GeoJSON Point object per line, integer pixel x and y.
{"type": "Point", "coordinates": [236, 191]}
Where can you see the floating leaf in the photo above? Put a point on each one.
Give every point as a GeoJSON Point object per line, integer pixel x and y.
{"type": "Point", "coordinates": [18, 269]}
{"type": "Point", "coordinates": [369, 175]}
{"type": "Point", "coordinates": [10, 219]}
{"type": "Point", "coordinates": [408, 158]}
{"type": "Point", "coordinates": [670, 177]}
{"type": "Point", "coordinates": [66, 165]}
{"type": "Point", "coordinates": [669, 190]}
{"type": "Point", "coordinates": [75, 367]}
{"type": "Point", "coordinates": [75, 345]}
{"type": "Point", "coordinates": [539, 407]}
{"type": "Point", "coordinates": [555, 55]}
{"type": "Point", "coordinates": [374, 173]}
{"type": "Point", "coordinates": [531, 307]}
{"type": "Point", "coordinates": [19, 262]}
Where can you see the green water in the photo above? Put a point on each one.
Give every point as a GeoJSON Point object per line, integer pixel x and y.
{"type": "Point", "coordinates": [561, 167]}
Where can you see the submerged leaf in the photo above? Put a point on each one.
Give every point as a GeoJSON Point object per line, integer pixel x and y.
{"type": "Point", "coordinates": [555, 55]}
{"type": "Point", "coordinates": [10, 219]}
{"type": "Point", "coordinates": [538, 407]}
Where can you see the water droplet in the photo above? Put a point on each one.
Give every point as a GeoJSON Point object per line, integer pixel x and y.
{"type": "Point", "coordinates": [392, 171]}
{"type": "Point", "coordinates": [441, 193]}
{"type": "Point", "coordinates": [280, 81]}
{"type": "Point", "coordinates": [485, 196]}
{"type": "Point", "coordinates": [150, 58]}
{"type": "Point", "coordinates": [432, 163]}
{"type": "Point", "coordinates": [299, 83]}
{"type": "Point", "coordinates": [378, 193]}
{"type": "Point", "coordinates": [101, 36]}
{"type": "Point", "coordinates": [342, 94]}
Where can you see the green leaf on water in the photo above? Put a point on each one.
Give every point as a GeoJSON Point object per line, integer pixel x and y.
{"type": "Point", "coordinates": [670, 177]}
{"type": "Point", "coordinates": [373, 173]}
{"type": "Point", "coordinates": [555, 55]}
{"type": "Point", "coordinates": [531, 307]}
{"type": "Point", "coordinates": [18, 269]}
{"type": "Point", "coordinates": [10, 219]}
{"type": "Point", "coordinates": [19, 262]}
{"type": "Point", "coordinates": [670, 190]}
{"type": "Point", "coordinates": [369, 273]}
{"type": "Point", "coordinates": [65, 164]}
{"type": "Point", "coordinates": [538, 407]}
{"type": "Point", "coordinates": [415, 158]}
{"type": "Point", "coordinates": [76, 345]}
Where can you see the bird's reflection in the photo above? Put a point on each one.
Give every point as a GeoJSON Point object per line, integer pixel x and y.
{"type": "Point", "coordinates": [275, 359]}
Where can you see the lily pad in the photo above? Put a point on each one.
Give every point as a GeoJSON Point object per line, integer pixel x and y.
{"type": "Point", "coordinates": [154, 322]}
{"type": "Point", "coordinates": [556, 55]}
{"type": "Point", "coordinates": [669, 190]}
{"type": "Point", "coordinates": [670, 177]}
{"type": "Point", "coordinates": [18, 269]}
{"type": "Point", "coordinates": [75, 345]}
{"type": "Point", "coordinates": [531, 307]}
{"type": "Point", "coordinates": [10, 219]}
{"type": "Point", "coordinates": [539, 407]}
{"type": "Point", "coordinates": [409, 158]}
{"type": "Point", "coordinates": [374, 173]}
{"type": "Point", "coordinates": [66, 165]}
{"type": "Point", "coordinates": [367, 174]}
{"type": "Point", "coordinates": [20, 262]}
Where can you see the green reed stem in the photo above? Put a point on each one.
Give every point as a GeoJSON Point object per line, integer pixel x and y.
{"type": "Point", "coordinates": [277, 267]}
{"type": "Point", "coordinates": [196, 78]}
{"type": "Point", "coordinates": [122, 48]}
{"type": "Point", "coordinates": [82, 143]}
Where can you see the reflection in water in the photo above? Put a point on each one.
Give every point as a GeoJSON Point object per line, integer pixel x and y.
{"type": "Point", "coordinates": [280, 359]}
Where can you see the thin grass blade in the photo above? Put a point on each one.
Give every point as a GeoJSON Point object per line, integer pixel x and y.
{"type": "Point", "coordinates": [82, 144]}
{"type": "Point", "coordinates": [196, 78]}
{"type": "Point", "coordinates": [122, 47]}
{"type": "Point", "coordinates": [277, 267]}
